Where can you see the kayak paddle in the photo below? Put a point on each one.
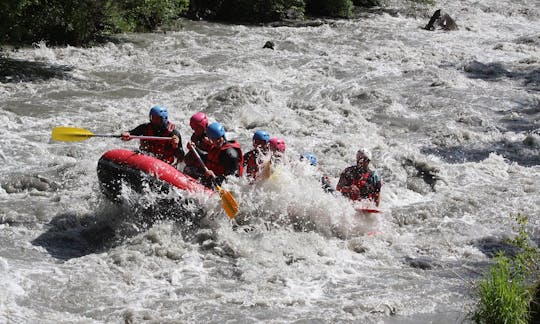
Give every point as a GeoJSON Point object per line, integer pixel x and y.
{"type": "Point", "coordinates": [75, 134]}
{"type": "Point", "coordinates": [228, 202]}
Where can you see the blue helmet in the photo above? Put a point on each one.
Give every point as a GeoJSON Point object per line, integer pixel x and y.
{"type": "Point", "coordinates": [310, 157]}
{"type": "Point", "coordinates": [160, 111]}
{"type": "Point", "coordinates": [215, 130]}
{"type": "Point", "coordinates": [261, 135]}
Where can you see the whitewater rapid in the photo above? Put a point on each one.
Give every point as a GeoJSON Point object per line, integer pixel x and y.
{"type": "Point", "coordinates": [452, 119]}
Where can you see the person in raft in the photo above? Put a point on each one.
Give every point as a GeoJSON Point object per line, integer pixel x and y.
{"type": "Point", "coordinates": [277, 148]}
{"type": "Point", "coordinates": [253, 159]}
{"type": "Point", "coordinates": [224, 158]}
{"type": "Point", "coordinates": [198, 123]}
{"type": "Point", "coordinates": [358, 182]}
{"type": "Point", "coordinates": [325, 180]}
{"type": "Point", "coordinates": [169, 151]}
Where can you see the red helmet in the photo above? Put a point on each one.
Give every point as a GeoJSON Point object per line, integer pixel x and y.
{"type": "Point", "coordinates": [199, 122]}
{"type": "Point", "coordinates": [277, 144]}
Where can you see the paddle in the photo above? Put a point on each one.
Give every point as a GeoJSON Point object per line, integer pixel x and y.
{"type": "Point", "coordinates": [228, 202]}
{"type": "Point", "coordinates": [74, 134]}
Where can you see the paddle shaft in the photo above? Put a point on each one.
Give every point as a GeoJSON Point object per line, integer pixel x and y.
{"type": "Point", "coordinates": [149, 138]}
{"type": "Point", "coordinates": [142, 137]}
{"type": "Point", "coordinates": [194, 150]}
{"type": "Point", "coordinates": [76, 134]}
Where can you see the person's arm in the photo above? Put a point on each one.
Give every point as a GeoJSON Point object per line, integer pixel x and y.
{"type": "Point", "coordinates": [377, 199]}
{"type": "Point", "coordinates": [344, 182]}
{"type": "Point", "coordinates": [345, 185]}
{"type": "Point", "coordinates": [246, 158]}
{"type": "Point", "coordinates": [230, 159]}
{"type": "Point", "coordinates": [377, 189]}
{"type": "Point", "coordinates": [137, 131]}
{"type": "Point", "coordinates": [179, 150]}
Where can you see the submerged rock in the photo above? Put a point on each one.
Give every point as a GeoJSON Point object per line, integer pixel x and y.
{"type": "Point", "coordinates": [420, 263]}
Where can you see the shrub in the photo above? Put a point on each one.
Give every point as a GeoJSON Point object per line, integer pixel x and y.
{"type": "Point", "coordinates": [142, 15]}
{"type": "Point", "coordinates": [504, 293]}
{"type": "Point", "coordinates": [56, 21]}
{"type": "Point", "coordinates": [504, 297]}
{"type": "Point", "coordinates": [332, 8]}
{"type": "Point", "coordinates": [255, 10]}
{"type": "Point", "coordinates": [79, 22]}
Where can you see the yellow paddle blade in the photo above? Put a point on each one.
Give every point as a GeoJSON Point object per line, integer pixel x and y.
{"type": "Point", "coordinates": [228, 202]}
{"type": "Point", "coordinates": [268, 171]}
{"type": "Point", "coordinates": [70, 134]}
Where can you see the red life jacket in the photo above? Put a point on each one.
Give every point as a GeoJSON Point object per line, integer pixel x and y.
{"type": "Point", "coordinates": [360, 178]}
{"type": "Point", "coordinates": [163, 150]}
{"type": "Point", "coordinates": [362, 184]}
{"type": "Point", "coordinates": [212, 160]}
{"type": "Point", "coordinates": [251, 163]}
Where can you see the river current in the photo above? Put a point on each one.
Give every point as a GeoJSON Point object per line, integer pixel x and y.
{"type": "Point", "coordinates": [452, 119]}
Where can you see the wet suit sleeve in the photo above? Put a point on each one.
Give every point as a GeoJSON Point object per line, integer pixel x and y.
{"type": "Point", "coordinates": [138, 131]}
{"type": "Point", "coordinates": [345, 180]}
{"type": "Point", "coordinates": [179, 151]}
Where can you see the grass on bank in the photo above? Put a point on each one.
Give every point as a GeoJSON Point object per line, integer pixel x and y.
{"type": "Point", "coordinates": [506, 292]}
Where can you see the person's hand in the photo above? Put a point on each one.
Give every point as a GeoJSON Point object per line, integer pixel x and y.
{"type": "Point", "coordinates": [190, 146]}
{"type": "Point", "coordinates": [354, 190]}
{"type": "Point", "coordinates": [207, 142]}
{"type": "Point", "coordinates": [125, 136]}
{"type": "Point", "coordinates": [175, 140]}
{"type": "Point", "coordinates": [210, 174]}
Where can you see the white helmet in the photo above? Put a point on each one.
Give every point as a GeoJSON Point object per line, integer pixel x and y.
{"type": "Point", "coordinates": [363, 154]}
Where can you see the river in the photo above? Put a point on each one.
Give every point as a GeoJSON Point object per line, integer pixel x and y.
{"type": "Point", "coordinates": [452, 119]}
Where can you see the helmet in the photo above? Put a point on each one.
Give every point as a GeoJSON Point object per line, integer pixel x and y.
{"type": "Point", "coordinates": [160, 111]}
{"type": "Point", "coordinates": [363, 154]}
{"type": "Point", "coordinates": [261, 135]}
{"type": "Point", "coordinates": [310, 157]}
{"type": "Point", "coordinates": [277, 144]}
{"type": "Point", "coordinates": [215, 130]}
{"type": "Point", "coordinates": [199, 121]}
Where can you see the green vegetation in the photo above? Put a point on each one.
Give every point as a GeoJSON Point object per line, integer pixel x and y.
{"type": "Point", "coordinates": [142, 15]}
{"type": "Point", "coordinates": [57, 21]}
{"type": "Point", "coordinates": [505, 295]}
{"type": "Point", "coordinates": [82, 22]}
{"type": "Point", "coordinates": [333, 8]}
{"type": "Point", "coordinates": [254, 10]}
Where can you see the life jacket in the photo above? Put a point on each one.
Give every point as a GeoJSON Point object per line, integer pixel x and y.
{"type": "Point", "coordinates": [163, 150]}
{"type": "Point", "coordinates": [190, 159]}
{"type": "Point", "coordinates": [212, 160]}
{"type": "Point", "coordinates": [250, 163]}
{"type": "Point", "coordinates": [363, 184]}
{"type": "Point", "coordinates": [363, 180]}
{"type": "Point", "coordinates": [253, 162]}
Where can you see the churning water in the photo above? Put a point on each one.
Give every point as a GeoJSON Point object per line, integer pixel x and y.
{"type": "Point", "coordinates": [452, 119]}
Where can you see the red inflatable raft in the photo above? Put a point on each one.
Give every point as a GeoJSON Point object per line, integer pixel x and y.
{"type": "Point", "coordinates": [139, 171]}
